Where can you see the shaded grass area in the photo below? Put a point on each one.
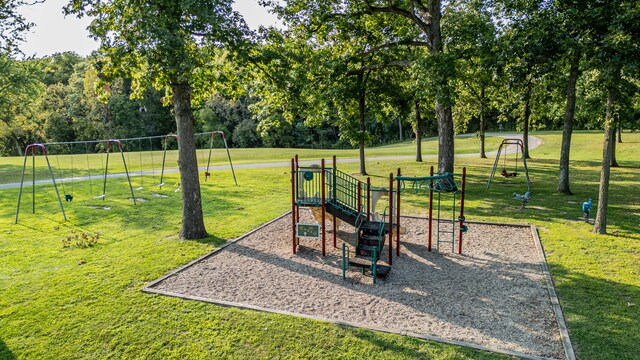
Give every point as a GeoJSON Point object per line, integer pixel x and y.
{"type": "Point", "coordinates": [67, 166]}
{"type": "Point", "coordinates": [597, 277]}
{"type": "Point", "coordinates": [60, 302]}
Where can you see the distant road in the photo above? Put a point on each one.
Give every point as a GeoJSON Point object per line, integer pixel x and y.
{"type": "Point", "coordinates": [534, 142]}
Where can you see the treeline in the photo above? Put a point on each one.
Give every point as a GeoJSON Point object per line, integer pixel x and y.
{"type": "Point", "coordinates": [358, 78]}
{"type": "Point", "coordinates": [60, 102]}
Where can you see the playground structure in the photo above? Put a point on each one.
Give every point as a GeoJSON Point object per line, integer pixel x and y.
{"type": "Point", "coordinates": [440, 183]}
{"type": "Point", "coordinates": [502, 152]}
{"type": "Point", "coordinates": [106, 146]}
{"type": "Point", "coordinates": [354, 202]}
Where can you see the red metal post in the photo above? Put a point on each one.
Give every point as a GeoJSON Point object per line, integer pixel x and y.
{"type": "Point", "coordinates": [464, 175]}
{"type": "Point", "coordinates": [324, 226]}
{"type": "Point", "coordinates": [430, 208]}
{"type": "Point", "coordinates": [293, 204]}
{"type": "Point", "coordinates": [398, 214]}
{"type": "Point", "coordinates": [390, 219]}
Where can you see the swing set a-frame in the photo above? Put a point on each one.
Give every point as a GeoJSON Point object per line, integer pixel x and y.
{"type": "Point", "coordinates": [68, 197]}
{"type": "Point", "coordinates": [31, 150]}
{"type": "Point", "coordinates": [502, 153]}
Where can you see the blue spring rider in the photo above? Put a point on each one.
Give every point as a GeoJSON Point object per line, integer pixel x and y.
{"type": "Point", "coordinates": [586, 209]}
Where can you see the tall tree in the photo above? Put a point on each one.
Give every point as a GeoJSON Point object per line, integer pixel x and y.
{"type": "Point", "coordinates": [473, 38]}
{"type": "Point", "coordinates": [614, 51]}
{"type": "Point", "coordinates": [415, 23]}
{"type": "Point", "coordinates": [530, 48]}
{"type": "Point", "coordinates": [165, 43]}
{"type": "Point", "coordinates": [565, 148]}
{"type": "Point", "coordinates": [13, 25]}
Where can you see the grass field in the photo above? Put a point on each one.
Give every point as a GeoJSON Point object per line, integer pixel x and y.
{"type": "Point", "coordinates": [67, 166]}
{"type": "Point", "coordinates": [58, 302]}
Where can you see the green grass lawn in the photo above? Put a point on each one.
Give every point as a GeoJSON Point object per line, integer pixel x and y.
{"type": "Point", "coordinates": [58, 302]}
{"type": "Point", "coordinates": [67, 166]}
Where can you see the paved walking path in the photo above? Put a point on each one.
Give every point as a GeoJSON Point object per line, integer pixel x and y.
{"type": "Point", "coordinates": [534, 142]}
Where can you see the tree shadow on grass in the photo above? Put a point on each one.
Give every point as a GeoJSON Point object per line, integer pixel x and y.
{"type": "Point", "coordinates": [5, 353]}
{"type": "Point", "coordinates": [603, 316]}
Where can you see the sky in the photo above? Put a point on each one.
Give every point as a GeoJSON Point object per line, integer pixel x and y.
{"type": "Point", "coordinates": [55, 33]}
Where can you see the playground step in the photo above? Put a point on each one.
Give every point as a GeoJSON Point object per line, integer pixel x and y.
{"type": "Point", "coordinates": [367, 250]}
{"type": "Point", "coordinates": [371, 240]}
{"type": "Point", "coordinates": [365, 263]}
{"type": "Point", "coordinates": [340, 213]}
{"type": "Point", "coordinates": [373, 227]}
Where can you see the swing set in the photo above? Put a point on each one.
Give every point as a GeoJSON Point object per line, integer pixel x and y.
{"type": "Point", "coordinates": [106, 148]}
{"type": "Point", "coordinates": [206, 171]}
{"type": "Point", "coordinates": [69, 196]}
{"type": "Point", "coordinates": [502, 152]}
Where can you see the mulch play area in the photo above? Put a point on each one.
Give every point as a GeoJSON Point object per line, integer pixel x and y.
{"type": "Point", "coordinates": [495, 296]}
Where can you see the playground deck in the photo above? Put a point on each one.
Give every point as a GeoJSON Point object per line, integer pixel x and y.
{"type": "Point", "coordinates": [494, 295]}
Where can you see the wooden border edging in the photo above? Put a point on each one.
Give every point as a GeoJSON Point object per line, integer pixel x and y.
{"type": "Point", "coordinates": [350, 324]}
{"type": "Point", "coordinates": [555, 303]}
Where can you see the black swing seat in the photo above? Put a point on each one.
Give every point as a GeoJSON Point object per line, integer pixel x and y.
{"type": "Point", "coordinates": [508, 175]}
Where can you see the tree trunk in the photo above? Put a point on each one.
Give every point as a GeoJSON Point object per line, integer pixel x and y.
{"type": "Point", "coordinates": [443, 109]}
{"type": "Point", "coordinates": [18, 146]}
{"type": "Point", "coordinates": [527, 114]}
{"type": "Point", "coordinates": [483, 155]}
{"type": "Point", "coordinates": [600, 224]}
{"type": "Point", "coordinates": [400, 128]}
{"type": "Point", "coordinates": [445, 138]}
{"type": "Point", "coordinates": [619, 134]}
{"type": "Point", "coordinates": [565, 150]}
{"type": "Point", "coordinates": [614, 161]}
{"type": "Point", "coordinates": [192, 219]}
{"type": "Point", "coordinates": [363, 170]}
{"type": "Point", "coordinates": [418, 133]}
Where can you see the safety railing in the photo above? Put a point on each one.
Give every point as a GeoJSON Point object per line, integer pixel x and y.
{"type": "Point", "coordinates": [345, 191]}
{"type": "Point", "coordinates": [308, 186]}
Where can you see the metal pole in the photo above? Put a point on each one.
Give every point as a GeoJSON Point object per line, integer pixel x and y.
{"type": "Point", "coordinates": [106, 167]}
{"type": "Point", "coordinates": [33, 180]}
{"type": "Point", "coordinates": [461, 218]}
{"type": "Point", "coordinates": [390, 219]}
{"type": "Point", "coordinates": [293, 205]}
{"type": "Point", "coordinates": [333, 196]}
{"type": "Point", "coordinates": [369, 198]}
{"type": "Point", "coordinates": [359, 200]}
{"type": "Point", "coordinates": [322, 177]}
{"type": "Point", "coordinates": [133, 196]}
{"type": "Point", "coordinates": [164, 157]}
{"type": "Point", "coordinates": [44, 150]}
{"type": "Point", "coordinates": [229, 156]}
{"type": "Point", "coordinates": [206, 172]}
{"type": "Point", "coordinates": [495, 165]}
{"type": "Point", "coordinates": [398, 214]}
{"type": "Point", "coordinates": [430, 208]}
{"type": "Point", "coordinates": [24, 166]}
{"type": "Point", "coordinates": [297, 166]}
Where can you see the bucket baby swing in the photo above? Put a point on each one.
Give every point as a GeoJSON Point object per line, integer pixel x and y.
{"type": "Point", "coordinates": [502, 152]}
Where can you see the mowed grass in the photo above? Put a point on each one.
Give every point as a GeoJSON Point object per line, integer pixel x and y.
{"type": "Point", "coordinates": [65, 165]}
{"type": "Point", "coordinates": [60, 302]}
